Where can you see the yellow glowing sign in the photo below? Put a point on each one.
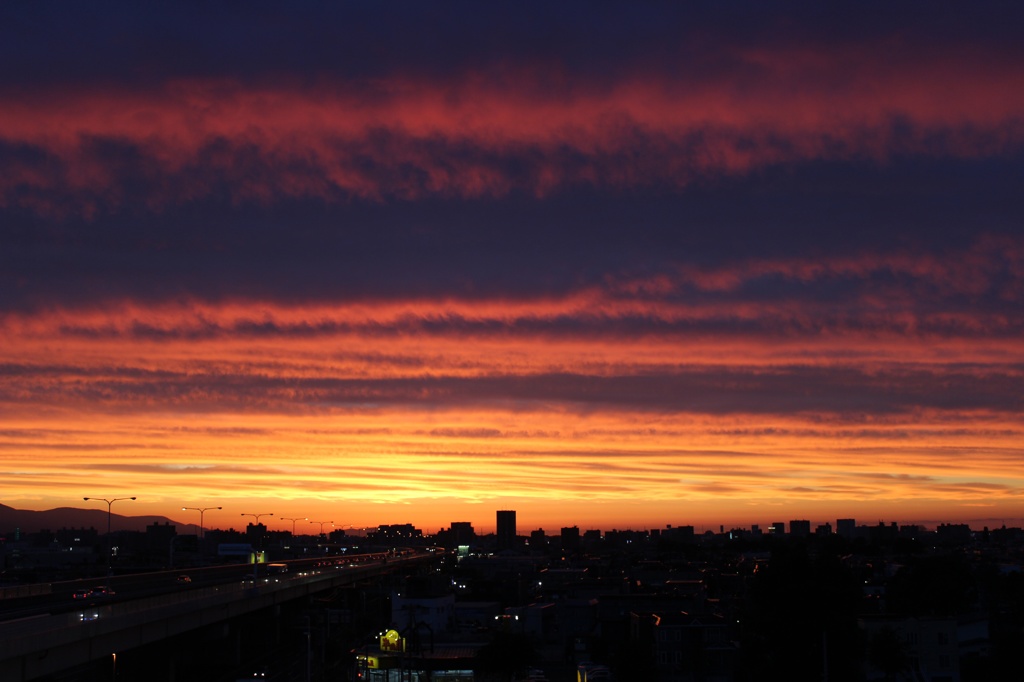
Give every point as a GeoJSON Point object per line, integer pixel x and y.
{"type": "Point", "coordinates": [392, 641]}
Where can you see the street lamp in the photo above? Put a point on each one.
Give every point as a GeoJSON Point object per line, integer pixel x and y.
{"type": "Point", "coordinates": [202, 511]}
{"type": "Point", "coordinates": [293, 520]}
{"type": "Point", "coordinates": [256, 563]}
{"type": "Point", "coordinates": [322, 525]}
{"type": "Point", "coordinates": [110, 547]}
{"type": "Point", "coordinates": [257, 516]}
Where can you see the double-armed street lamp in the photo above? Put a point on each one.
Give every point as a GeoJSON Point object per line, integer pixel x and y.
{"type": "Point", "coordinates": [257, 516]}
{"type": "Point", "coordinates": [110, 547]}
{"type": "Point", "coordinates": [202, 511]}
{"type": "Point", "coordinates": [322, 525]}
{"type": "Point", "coordinates": [293, 519]}
{"type": "Point", "coordinates": [257, 522]}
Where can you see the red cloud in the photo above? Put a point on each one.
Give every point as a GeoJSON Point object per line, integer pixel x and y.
{"type": "Point", "coordinates": [477, 136]}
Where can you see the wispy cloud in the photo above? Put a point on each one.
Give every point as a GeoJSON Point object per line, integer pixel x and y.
{"type": "Point", "coordinates": [486, 134]}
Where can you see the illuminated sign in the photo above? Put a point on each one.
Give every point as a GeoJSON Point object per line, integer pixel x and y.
{"type": "Point", "coordinates": [392, 641]}
{"type": "Point", "coordinates": [367, 661]}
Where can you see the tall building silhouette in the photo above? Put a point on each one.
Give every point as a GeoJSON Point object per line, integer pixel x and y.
{"type": "Point", "coordinates": [800, 528]}
{"type": "Point", "coordinates": [570, 540]}
{"type": "Point", "coordinates": [506, 529]}
{"type": "Point", "coordinates": [462, 533]}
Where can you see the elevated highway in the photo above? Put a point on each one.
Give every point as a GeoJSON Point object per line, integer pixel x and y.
{"type": "Point", "coordinates": [39, 647]}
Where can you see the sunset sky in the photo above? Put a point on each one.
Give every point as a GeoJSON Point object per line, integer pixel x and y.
{"type": "Point", "coordinates": [611, 265]}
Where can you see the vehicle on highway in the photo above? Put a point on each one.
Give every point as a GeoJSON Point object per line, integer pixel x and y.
{"type": "Point", "coordinates": [101, 591]}
{"type": "Point", "coordinates": [183, 579]}
{"type": "Point", "coordinates": [81, 594]}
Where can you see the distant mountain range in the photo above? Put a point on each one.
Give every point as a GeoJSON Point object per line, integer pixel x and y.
{"type": "Point", "coordinates": [69, 517]}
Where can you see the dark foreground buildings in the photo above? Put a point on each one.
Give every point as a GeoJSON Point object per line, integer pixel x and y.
{"type": "Point", "coordinates": [858, 603]}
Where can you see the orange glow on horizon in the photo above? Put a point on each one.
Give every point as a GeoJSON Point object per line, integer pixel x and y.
{"type": "Point", "coordinates": [317, 425]}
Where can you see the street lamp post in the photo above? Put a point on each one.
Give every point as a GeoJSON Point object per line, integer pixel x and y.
{"type": "Point", "coordinates": [322, 525]}
{"type": "Point", "coordinates": [202, 511]}
{"type": "Point", "coordinates": [110, 547]}
{"type": "Point", "coordinates": [257, 516]}
{"type": "Point", "coordinates": [293, 520]}
{"type": "Point", "coordinates": [255, 563]}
